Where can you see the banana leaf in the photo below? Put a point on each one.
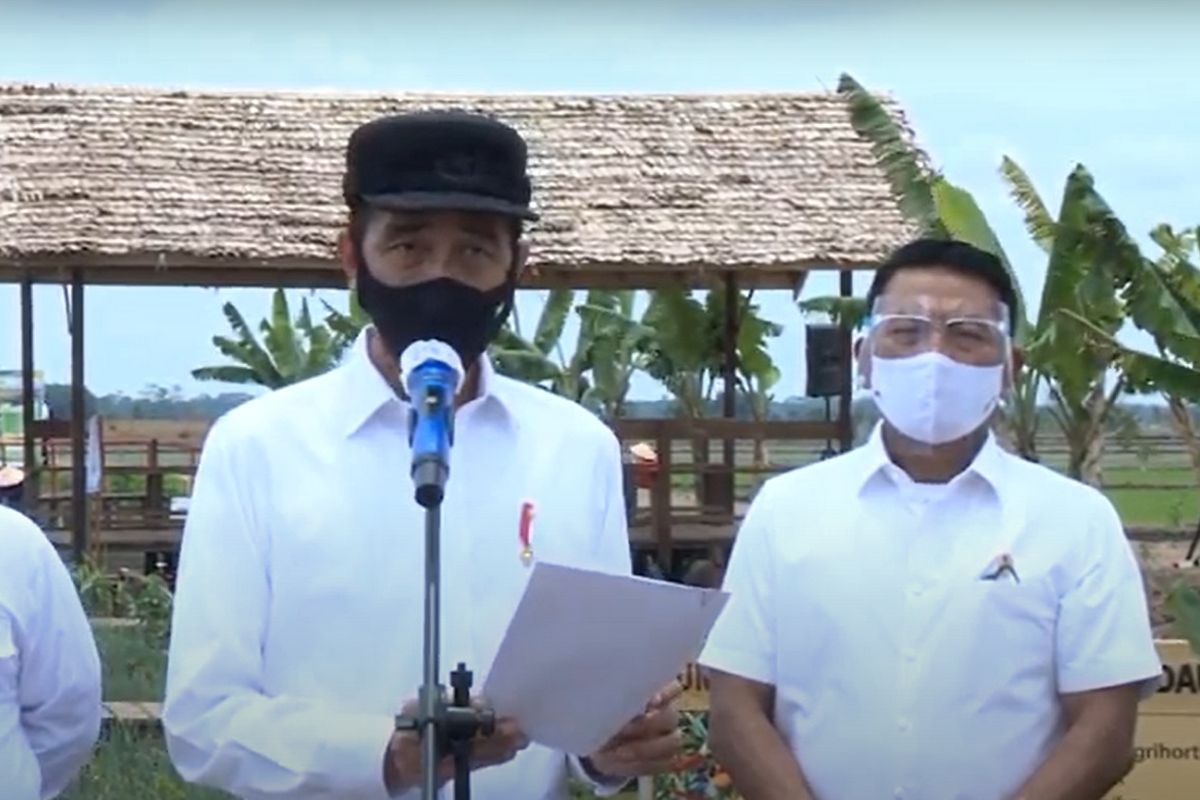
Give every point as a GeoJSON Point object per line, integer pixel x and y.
{"type": "Point", "coordinates": [279, 337]}
{"type": "Point", "coordinates": [910, 179]}
{"type": "Point", "coordinates": [1038, 222]}
{"type": "Point", "coordinates": [553, 320]}
{"type": "Point", "coordinates": [963, 220]}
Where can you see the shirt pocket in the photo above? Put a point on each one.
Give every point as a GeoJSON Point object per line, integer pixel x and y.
{"type": "Point", "coordinates": [1004, 631]}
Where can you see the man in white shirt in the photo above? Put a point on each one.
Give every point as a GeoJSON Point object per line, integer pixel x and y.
{"type": "Point", "coordinates": [928, 616]}
{"type": "Point", "coordinates": [297, 633]}
{"type": "Point", "coordinates": [49, 667]}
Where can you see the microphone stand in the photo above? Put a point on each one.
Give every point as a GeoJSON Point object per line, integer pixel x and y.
{"type": "Point", "coordinates": [445, 725]}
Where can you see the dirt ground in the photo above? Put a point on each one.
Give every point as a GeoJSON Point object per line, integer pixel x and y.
{"type": "Point", "coordinates": [1163, 569]}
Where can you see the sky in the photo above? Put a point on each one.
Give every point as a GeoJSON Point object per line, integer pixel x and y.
{"type": "Point", "coordinates": [1110, 86]}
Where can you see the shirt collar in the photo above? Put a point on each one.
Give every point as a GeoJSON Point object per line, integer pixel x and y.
{"type": "Point", "coordinates": [988, 463]}
{"type": "Point", "coordinates": [366, 391]}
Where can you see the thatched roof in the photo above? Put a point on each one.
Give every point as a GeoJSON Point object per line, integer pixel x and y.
{"type": "Point", "coordinates": [159, 186]}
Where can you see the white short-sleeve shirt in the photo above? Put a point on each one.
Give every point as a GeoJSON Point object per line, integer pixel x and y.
{"type": "Point", "coordinates": [899, 669]}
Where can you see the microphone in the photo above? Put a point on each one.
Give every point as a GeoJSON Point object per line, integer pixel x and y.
{"type": "Point", "coordinates": [432, 374]}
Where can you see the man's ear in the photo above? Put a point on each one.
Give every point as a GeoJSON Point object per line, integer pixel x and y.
{"type": "Point", "coordinates": [347, 256]}
{"type": "Point", "coordinates": [1015, 364]}
{"type": "Point", "coordinates": [863, 357]}
{"type": "Point", "coordinates": [521, 257]}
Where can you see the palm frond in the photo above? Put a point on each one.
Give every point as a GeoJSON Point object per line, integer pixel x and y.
{"type": "Point", "coordinates": [1038, 221]}
{"type": "Point", "coordinates": [908, 177]}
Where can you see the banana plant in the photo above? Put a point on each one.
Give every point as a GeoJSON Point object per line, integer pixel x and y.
{"type": "Point", "coordinates": [541, 360]}
{"type": "Point", "coordinates": [290, 351]}
{"type": "Point", "coordinates": [756, 370]}
{"type": "Point", "coordinates": [687, 354]}
{"type": "Point", "coordinates": [607, 351]}
{"type": "Point", "coordinates": [345, 325]}
{"type": "Point", "coordinates": [617, 342]}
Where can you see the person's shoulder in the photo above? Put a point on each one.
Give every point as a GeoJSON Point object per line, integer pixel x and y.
{"type": "Point", "coordinates": [553, 415]}
{"type": "Point", "coordinates": [21, 540]}
{"type": "Point", "coordinates": [260, 416]}
{"type": "Point", "coordinates": [1051, 490]}
{"type": "Point", "coordinates": [824, 478]}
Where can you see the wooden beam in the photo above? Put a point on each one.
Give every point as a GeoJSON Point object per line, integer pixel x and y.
{"type": "Point", "coordinates": [30, 489]}
{"type": "Point", "coordinates": [150, 269]}
{"type": "Point", "coordinates": [79, 504]}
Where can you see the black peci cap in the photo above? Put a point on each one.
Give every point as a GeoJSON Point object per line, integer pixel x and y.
{"type": "Point", "coordinates": [438, 160]}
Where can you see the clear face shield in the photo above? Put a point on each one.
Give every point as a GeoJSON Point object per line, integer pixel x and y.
{"type": "Point", "coordinates": [934, 366]}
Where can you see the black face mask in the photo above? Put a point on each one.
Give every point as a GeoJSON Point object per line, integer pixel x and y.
{"type": "Point", "coordinates": [442, 309]}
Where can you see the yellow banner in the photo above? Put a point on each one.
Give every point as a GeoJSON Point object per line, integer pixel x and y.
{"type": "Point", "coordinates": [1168, 733]}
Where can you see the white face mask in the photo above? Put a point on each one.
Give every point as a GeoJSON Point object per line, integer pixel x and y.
{"type": "Point", "coordinates": [932, 398]}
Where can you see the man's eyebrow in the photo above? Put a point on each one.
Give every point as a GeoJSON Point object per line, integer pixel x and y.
{"type": "Point", "coordinates": [481, 230]}
{"type": "Point", "coordinates": [398, 227]}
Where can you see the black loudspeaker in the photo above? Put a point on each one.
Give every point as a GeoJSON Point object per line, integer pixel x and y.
{"type": "Point", "coordinates": [823, 358]}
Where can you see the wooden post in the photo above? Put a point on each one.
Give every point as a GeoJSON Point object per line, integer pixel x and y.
{"type": "Point", "coordinates": [718, 485]}
{"type": "Point", "coordinates": [29, 492]}
{"type": "Point", "coordinates": [155, 507]}
{"type": "Point", "coordinates": [845, 408]}
{"type": "Point", "coordinates": [79, 504]}
{"type": "Point", "coordinates": [660, 499]}
{"type": "Point", "coordinates": [731, 334]}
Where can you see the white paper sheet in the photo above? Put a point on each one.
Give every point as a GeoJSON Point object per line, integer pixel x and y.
{"type": "Point", "coordinates": [586, 651]}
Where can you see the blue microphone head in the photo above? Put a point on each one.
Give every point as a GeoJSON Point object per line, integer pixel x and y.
{"type": "Point", "coordinates": [430, 361]}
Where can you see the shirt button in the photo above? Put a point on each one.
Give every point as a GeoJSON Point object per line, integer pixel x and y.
{"type": "Point", "coordinates": [905, 724]}
{"type": "Point", "coordinates": [910, 655]}
{"type": "Point", "coordinates": [914, 591]}
{"type": "Point", "coordinates": [899, 793]}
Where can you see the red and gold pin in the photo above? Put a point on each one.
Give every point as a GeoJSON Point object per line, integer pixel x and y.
{"type": "Point", "coordinates": [525, 532]}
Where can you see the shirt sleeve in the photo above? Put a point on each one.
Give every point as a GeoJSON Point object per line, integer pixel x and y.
{"type": "Point", "coordinates": [742, 642]}
{"type": "Point", "coordinates": [60, 675]}
{"type": "Point", "coordinates": [612, 534]}
{"type": "Point", "coordinates": [611, 555]}
{"type": "Point", "coordinates": [221, 728]}
{"type": "Point", "coordinates": [1104, 636]}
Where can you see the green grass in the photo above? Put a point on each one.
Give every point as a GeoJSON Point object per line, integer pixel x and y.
{"type": "Point", "coordinates": [128, 766]}
{"type": "Point", "coordinates": [1156, 505]}
{"type": "Point", "coordinates": [133, 668]}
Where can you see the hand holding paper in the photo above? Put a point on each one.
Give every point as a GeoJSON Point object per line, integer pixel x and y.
{"type": "Point", "coordinates": [648, 743]}
{"type": "Point", "coordinates": [586, 651]}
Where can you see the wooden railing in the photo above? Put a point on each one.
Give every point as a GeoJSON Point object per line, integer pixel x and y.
{"type": "Point", "coordinates": [669, 523]}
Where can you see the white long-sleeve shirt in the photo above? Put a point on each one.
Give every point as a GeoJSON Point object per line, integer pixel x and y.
{"type": "Point", "coordinates": [298, 616]}
{"type": "Point", "coordinates": [49, 667]}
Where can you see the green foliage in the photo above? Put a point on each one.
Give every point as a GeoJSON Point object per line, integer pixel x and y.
{"type": "Point", "coordinates": [910, 178]}
{"type": "Point", "coordinates": [346, 325]}
{"type": "Point", "coordinates": [598, 371]}
{"type": "Point", "coordinates": [1184, 603]}
{"type": "Point", "coordinates": [290, 351]}
{"type": "Point", "coordinates": [849, 311]}
{"type": "Point", "coordinates": [687, 352]}
{"type": "Point", "coordinates": [130, 766]}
